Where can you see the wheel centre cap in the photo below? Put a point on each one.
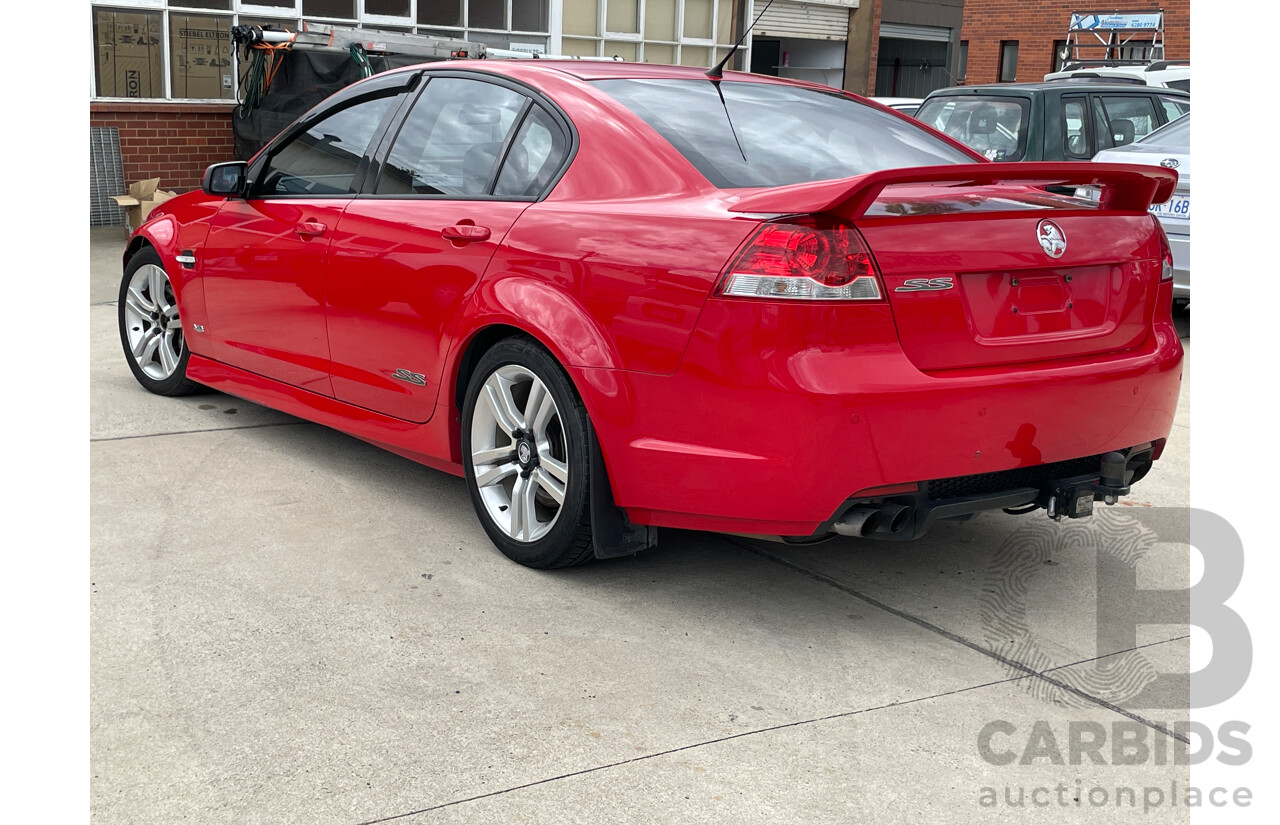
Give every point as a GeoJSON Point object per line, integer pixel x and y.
{"type": "Point", "coordinates": [524, 453]}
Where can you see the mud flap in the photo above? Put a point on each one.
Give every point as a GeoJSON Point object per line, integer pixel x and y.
{"type": "Point", "coordinates": [612, 533]}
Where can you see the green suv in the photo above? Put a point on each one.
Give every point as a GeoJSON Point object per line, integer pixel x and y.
{"type": "Point", "coordinates": [1070, 119]}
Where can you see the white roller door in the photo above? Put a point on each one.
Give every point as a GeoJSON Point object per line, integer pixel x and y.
{"type": "Point", "coordinates": [810, 21]}
{"type": "Point", "coordinates": [900, 31]}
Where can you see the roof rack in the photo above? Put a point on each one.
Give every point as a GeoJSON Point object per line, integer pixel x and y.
{"type": "Point", "coordinates": [1094, 77]}
{"type": "Point", "coordinates": [1118, 35]}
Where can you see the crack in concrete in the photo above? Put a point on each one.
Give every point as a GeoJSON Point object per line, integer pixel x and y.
{"type": "Point", "coordinates": [958, 639]}
{"type": "Point", "coordinates": [670, 751]}
{"type": "Point", "coordinates": [193, 432]}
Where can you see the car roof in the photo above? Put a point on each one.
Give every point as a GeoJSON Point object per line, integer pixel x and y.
{"type": "Point", "coordinates": [1041, 86]}
{"type": "Point", "coordinates": [604, 69]}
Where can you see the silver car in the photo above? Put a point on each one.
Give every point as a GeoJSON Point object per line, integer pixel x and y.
{"type": "Point", "coordinates": [1168, 146]}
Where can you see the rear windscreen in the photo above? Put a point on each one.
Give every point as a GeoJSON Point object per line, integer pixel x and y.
{"type": "Point", "coordinates": [757, 134]}
{"type": "Point", "coordinates": [994, 127]}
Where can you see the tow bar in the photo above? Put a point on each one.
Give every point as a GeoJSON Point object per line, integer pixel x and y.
{"type": "Point", "coordinates": [1074, 498]}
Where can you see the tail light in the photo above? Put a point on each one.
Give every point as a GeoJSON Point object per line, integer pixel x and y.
{"type": "Point", "coordinates": [804, 260]}
{"type": "Point", "coordinates": [1166, 253]}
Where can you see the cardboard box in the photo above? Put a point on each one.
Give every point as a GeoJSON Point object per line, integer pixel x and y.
{"type": "Point", "coordinates": [130, 54]}
{"type": "Point", "coordinates": [201, 56]}
{"type": "Point", "coordinates": [144, 195]}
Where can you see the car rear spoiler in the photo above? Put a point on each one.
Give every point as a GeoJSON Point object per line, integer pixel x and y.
{"type": "Point", "coordinates": [1125, 187]}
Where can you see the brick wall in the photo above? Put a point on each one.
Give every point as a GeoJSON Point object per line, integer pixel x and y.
{"type": "Point", "coordinates": [170, 141]}
{"type": "Point", "coordinates": [1036, 24]}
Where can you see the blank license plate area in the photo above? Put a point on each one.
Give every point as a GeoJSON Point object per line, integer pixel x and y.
{"type": "Point", "coordinates": [1007, 305]}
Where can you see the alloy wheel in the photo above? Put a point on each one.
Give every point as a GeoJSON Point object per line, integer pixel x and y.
{"type": "Point", "coordinates": [518, 453]}
{"type": "Point", "coordinates": [152, 324]}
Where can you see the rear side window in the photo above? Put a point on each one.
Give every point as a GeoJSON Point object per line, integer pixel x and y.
{"type": "Point", "coordinates": [994, 127]}
{"type": "Point", "coordinates": [1075, 127]}
{"type": "Point", "coordinates": [452, 141]}
{"type": "Point", "coordinates": [535, 157]}
{"type": "Point", "coordinates": [766, 135]}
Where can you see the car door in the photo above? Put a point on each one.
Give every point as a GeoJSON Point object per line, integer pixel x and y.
{"type": "Point", "coordinates": [265, 255]}
{"type": "Point", "coordinates": [470, 156]}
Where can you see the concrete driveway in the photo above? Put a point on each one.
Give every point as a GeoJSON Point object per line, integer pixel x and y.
{"type": "Point", "coordinates": [289, 625]}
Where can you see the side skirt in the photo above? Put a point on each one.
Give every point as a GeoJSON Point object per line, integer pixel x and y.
{"type": "Point", "coordinates": [428, 443]}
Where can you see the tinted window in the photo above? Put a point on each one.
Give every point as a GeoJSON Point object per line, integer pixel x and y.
{"type": "Point", "coordinates": [1174, 107]}
{"type": "Point", "coordinates": [534, 158]}
{"type": "Point", "coordinates": [1131, 117]}
{"type": "Point", "coordinates": [323, 160]}
{"type": "Point", "coordinates": [1180, 85]}
{"type": "Point", "coordinates": [1075, 138]}
{"type": "Point", "coordinates": [994, 127]}
{"type": "Point", "coordinates": [767, 135]}
{"type": "Point", "coordinates": [452, 140]}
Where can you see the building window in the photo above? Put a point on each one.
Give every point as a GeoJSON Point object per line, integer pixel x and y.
{"type": "Point", "coordinates": [1008, 61]}
{"type": "Point", "coordinates": [335, 9]}
{"type": "Point", "coordinates": [202, 61]}
{"type": "Point", "coordinates": [963, 68]}
{"type": "Point", "coordinates": [1061, 51]}
{"type": "Point", "coordinates": [128, 53]}
{"type": "Point", "coordinates": [687, 32]}
{"type": "Point", "coordinates": [440, 12]}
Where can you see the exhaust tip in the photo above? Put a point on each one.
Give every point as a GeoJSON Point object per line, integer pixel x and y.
{"type": "Point", "coordinates": [859, 521]}
{"type": "Point", "coordinates": [895, 517]}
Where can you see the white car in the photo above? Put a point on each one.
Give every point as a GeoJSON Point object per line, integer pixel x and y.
{"type": "Point", "coordinates": [906, 105]}
{"type": "Point", "coordinates": [1169, 74]}
{"type": "Point", "coordinates": [1170, 147]}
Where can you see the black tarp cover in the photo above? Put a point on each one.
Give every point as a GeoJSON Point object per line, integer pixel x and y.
{"type": "Point", "coordinates": [303, 80]}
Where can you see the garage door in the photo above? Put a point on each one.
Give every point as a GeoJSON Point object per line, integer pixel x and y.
{"type": "Point", "coordinates": [811, 21]}
{"type": "Point", "coordinates": [901, 31]}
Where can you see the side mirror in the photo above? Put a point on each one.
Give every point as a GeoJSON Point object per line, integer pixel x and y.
{"type": "Point", "coordinates": [226, 179]}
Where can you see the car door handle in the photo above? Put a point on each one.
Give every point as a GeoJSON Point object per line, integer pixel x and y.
{"type": "Point", "coordinates": [308, 229]}
{"type": "Point", "coordinates": [465, 233]}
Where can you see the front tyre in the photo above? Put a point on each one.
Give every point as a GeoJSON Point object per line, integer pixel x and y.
{"type": "Point", "coordinates": [151, 328]}
{"type": "Point", "coordinates": [526, 456]}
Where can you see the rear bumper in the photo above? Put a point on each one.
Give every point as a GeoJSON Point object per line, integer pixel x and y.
{"type": "Point", "coordinates": [769, 428]}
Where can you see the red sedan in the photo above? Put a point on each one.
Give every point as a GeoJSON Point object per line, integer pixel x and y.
{"type": "Point", "coordinates": [617, 297]}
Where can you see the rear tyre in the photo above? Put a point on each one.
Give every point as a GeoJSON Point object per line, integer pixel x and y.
{"type": "Point", "coordinates": [151, 328]}
{"type": "Point", "coordinates": [526, 456]}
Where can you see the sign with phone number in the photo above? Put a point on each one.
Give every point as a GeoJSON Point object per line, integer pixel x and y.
{"type": "Point", "coordinates": [1178, 208]}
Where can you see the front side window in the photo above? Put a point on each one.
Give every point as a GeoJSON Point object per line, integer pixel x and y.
{"type": "Point", "coordinates": [323, 160]}
{"type": "Point", "coordinates": [1131, 117]}
{"type": "Point", "coordinates": [452, 141]}
{"type": "Point", "coordinates": [1174, 107]}
{"type": "Point", "coordinates": [994, 127]}
{"type": "Point", "coordinates": [766, 135]}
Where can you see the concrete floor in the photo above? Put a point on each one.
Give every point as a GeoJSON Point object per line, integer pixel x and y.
{"type": "Point", "coordinates": [289, 625]}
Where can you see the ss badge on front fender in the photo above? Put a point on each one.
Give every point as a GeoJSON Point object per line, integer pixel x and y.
{"type": "Point", "coordinates": [412, 377]}
{"type": "Point", "coordinates": [924, 285]}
